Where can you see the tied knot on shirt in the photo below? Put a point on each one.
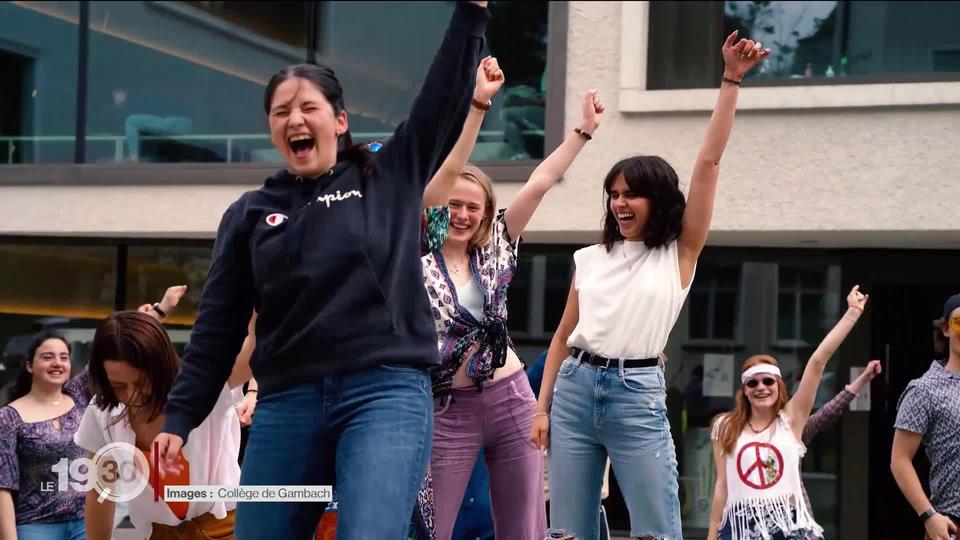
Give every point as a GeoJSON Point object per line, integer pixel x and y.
{"type": "Point", "coordinates": [488, 339]}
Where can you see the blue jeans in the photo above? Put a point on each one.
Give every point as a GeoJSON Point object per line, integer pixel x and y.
{"type": "Point", "coordinates": [67, 530]}
{"type": "Point", "coordinates": [620, 413]}
{"type": "Point", "coordinates": [368, 433]}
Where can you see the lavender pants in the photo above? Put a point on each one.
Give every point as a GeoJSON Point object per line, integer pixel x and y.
{"type": "Point", "coordinates": [498, 419]}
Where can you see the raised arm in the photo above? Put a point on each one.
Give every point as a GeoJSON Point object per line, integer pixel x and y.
{"type": "Point", "coordinates": [556, 353]}
{"type": "Point", "coordinates": [171, 298]}
{"type": "Point", "coordinates": [738, 58]}
{"type": "Point", "coordinates": [550, 171]}
{"type": "Point", "coordinates": [489, 80]}
{"type": "Point", "coordinates": [801, 403]}
{"type": "Point", "coordinates": [420, 143]}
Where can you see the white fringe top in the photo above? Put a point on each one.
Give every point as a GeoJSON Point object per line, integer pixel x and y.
{"type": "Point", "coordinates": [764, 494]}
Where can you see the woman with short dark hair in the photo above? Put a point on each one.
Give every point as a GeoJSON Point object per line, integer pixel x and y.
{"type": "Point", "coordinates": [608, 397]}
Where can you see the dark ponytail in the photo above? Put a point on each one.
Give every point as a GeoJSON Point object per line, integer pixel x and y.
{"type": "Point", "coordinates": [326, 81]}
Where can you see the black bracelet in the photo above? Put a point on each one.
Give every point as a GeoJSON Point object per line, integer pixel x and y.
{"type": "Point", "coordinates": [583, 134]}
{"type": "Point", "coordinates": [160, 312]}
{"type": "Point", "coordinates": [732, 81]}
{"type": "Point", "coordinates": [254, 390]}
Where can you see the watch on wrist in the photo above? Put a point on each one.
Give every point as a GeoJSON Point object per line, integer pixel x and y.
{"type": "Point", "coordinates": [927, 514]}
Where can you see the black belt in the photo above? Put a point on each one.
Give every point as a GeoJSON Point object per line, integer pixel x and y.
{"type": "Point", "coordinates": [604, 362]}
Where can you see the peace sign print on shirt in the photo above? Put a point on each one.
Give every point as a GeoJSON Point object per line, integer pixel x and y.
{"type": "Point", "coordinates": [760, 465]}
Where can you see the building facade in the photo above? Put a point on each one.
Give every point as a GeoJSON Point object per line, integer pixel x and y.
{"type": "Point", "coordinates": [127, 128]}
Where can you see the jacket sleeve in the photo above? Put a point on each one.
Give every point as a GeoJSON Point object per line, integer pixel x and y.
{"type": "Point", "coordinates": [216, 338]}
{"type": "Point", "coordinates": [421, 142]}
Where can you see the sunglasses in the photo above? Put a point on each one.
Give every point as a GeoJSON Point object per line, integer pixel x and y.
{"type": "Point", "coordinates": [767, 381]}
{"type": "Point", "coordinates": [955, 324]}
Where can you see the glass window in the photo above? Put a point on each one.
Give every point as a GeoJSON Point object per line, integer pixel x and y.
{"type": "Point", "coordinates": [192, 74]}
{"type": "Point", "coordinates": [66, 288]}
{"type": "Point", "coordinates": [183, 82]}
{"type": "Point", "coordinates": [38, 89]}
{"type": "Point", "coordinates": [812, 41]}
{"type": "Point", "coordinates": [713, 302]}
{"type": "Point", "coordinates": [382, 64]}
{"type": "Point", "coordinates": [151, 270]}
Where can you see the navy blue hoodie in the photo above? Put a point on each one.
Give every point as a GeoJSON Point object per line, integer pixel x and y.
{"type": "Point", "coordinates": [332, 265]}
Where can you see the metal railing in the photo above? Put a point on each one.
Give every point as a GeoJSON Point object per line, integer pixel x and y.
{"type": "Point", "coordinates": [227, 140]}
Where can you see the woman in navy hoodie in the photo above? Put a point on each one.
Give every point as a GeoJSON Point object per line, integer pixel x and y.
{"type": "Point", "coordinates": [327, 252]}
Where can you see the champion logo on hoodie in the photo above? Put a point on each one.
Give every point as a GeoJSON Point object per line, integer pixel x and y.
{"type": "Point", "coordinates": [275, 219]}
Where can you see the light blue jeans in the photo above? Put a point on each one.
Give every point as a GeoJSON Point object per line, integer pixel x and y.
{"type": "Point", "coordinates": [67, 530]}
{"type": "Point", "coordinates": [620, 413]}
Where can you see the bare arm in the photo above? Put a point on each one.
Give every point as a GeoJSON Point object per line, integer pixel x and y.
{"type": "Point", "coordinates": [801, 403]}
{"type": "Point", "coordinates": [489, 79]}
{"type": "Point", "coordinates": [905, 446]}
{"type": "Point", "coordinates": [557, 352]}
{"type": "Point", "coordinates": [8, 518]}
{"type": "Point", "coordinates": [241, 372]}
{"type": "Point", "coordinates": [549, 172]}
{"type": "Point", "coordinates": [738, 59]}
{"type": "Point", "coordinates": [719, 494]}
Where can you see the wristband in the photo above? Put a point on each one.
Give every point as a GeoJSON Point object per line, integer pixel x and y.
{"type": "Point", "coordinates": [541, 414]}
{"type": "Point", "coordinates": [732, 81]}
{"type": "Point", "coordinates": [583, 134]}
{"type": "Point", "coordinates": [927, 514]}
{"type": "Point", "coordinates": [481, 105]}
{"type": "Point", "coordinates": [253, 390]}
{"type": "Point", "coordinates": [160, 312]}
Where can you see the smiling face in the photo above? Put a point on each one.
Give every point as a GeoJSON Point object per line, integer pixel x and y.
{"type": "Point", "coordinates": [630, 210]}
{"type": "Point", "coordinates": [51, 363]}
{"type": "Point", "coordinates": [468, 202]}
{"type": "Point", "coordinates": [128, 383]}
{"type": "Point", "coordinates": [304, 127]}
{"type": "Point", "coordinates": [762, 391]}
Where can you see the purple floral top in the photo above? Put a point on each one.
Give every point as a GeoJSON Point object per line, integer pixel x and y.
{"type": "Point", "coordinates": [29, 450]}
{"type": "Point", "coordinates": [458, 331]}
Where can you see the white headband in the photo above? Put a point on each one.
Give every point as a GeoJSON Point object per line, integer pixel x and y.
{"type": "Point", "coordinates": [758, 369]}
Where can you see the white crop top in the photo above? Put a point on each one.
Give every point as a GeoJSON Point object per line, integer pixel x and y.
{"type": "Point", "coordinates": [630, 299]}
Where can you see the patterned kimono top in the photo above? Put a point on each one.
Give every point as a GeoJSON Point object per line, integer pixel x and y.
{"type": "Point", "coordinates": [460, 335]}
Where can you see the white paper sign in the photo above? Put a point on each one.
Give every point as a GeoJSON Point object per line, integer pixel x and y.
{"type": "Point", "coordinates": [718, 375]}
{"type": "Point", "coordinates": [862, 401]}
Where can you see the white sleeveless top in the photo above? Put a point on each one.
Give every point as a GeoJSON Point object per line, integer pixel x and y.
{"type": "Point", "coordinates": [763, 483]}
{"type": "Point", "coordinates": [630, 299]}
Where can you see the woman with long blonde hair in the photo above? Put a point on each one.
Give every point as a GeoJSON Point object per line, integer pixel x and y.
{"type": "Point", "coordinates": [757, 446]}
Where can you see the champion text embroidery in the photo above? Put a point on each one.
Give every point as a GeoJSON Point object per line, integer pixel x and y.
{"type": "Point", "coordinates": [338, 196]}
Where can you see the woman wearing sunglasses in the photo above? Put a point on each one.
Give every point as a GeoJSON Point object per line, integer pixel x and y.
{"type": "Point", "coordinates": [757, 446]}
{"type": "Point", "coordinates": [929, 412]}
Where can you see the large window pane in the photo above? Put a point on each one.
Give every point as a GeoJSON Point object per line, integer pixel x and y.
{"type": "Point", "coordinates": [38, 86]}
{"type": "Point", "coordinates": [819, 42]}
{"type": "Point", "coordinates": [151, 270]}
{"type": "Point", "coordinates": [66, 288]}
{"type": "Point", "coordinates": [176, 81]}
{"type": "Point", "coordinates": [191, 74]}
{"type": "Point", "coordinates": [382, 63]}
